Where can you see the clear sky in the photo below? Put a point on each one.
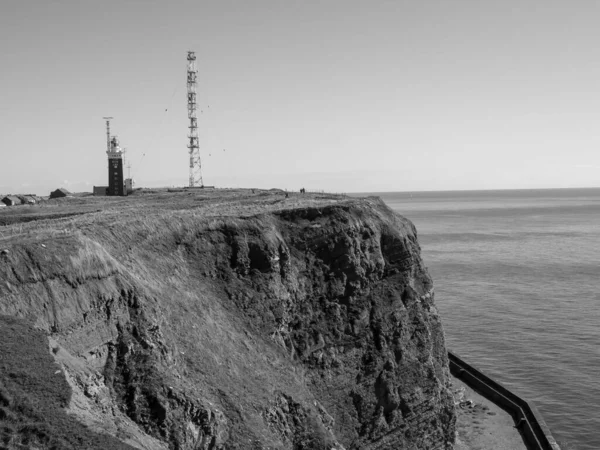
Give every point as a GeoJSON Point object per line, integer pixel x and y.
{"type": "Point", "coordinates": [343, 96]}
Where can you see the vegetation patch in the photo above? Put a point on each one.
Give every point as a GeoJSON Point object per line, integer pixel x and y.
{"type": "Point", "coordinates": [34, 394]}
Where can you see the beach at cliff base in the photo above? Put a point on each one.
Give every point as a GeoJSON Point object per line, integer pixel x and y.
{"type": "Point", "coordinates": [481, 424]}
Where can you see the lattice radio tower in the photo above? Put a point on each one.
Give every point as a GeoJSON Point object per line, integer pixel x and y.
{"type": "Point", "coordinates": [193, 147]}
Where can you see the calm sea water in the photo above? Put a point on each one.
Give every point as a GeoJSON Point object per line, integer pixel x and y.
{"type": "Point", "coordinates": [517, 281]}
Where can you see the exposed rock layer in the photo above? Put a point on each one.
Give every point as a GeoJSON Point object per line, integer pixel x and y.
{"type": "Point", "coordinates": [304, 328]}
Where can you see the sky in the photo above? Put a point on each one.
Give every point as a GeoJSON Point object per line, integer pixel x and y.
{"type": "Point", "coordinates": [334, 95]}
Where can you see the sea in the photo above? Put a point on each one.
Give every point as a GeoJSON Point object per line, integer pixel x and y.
{"type": "Point", "coordinates": [517, 283]}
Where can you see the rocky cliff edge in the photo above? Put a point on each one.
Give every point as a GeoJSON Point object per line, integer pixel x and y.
{"type": "Point", "coordinates": [230, 324]}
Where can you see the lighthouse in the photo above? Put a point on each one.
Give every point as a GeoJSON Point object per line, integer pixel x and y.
{"type": "Point", "coordinates": [116, 184]}
{"type": "Point", "coordinates": [115, 153]}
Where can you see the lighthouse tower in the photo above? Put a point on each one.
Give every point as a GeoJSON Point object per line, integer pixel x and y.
{"type": "Point", "coordinates": [116, 185]}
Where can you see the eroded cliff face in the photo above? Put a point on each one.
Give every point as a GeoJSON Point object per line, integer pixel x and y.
{"type": "Point", "coordinates": [301, 328]}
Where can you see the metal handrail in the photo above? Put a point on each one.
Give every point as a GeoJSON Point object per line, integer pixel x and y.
{"type": "Point", "coordinates": [528, 420]}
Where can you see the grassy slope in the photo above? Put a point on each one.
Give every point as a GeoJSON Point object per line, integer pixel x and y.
{"type": "Point", "coordinates": [34, 393]}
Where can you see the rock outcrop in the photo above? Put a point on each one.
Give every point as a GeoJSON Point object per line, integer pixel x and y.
{"type": "Point", "coordinates": [312, 327]}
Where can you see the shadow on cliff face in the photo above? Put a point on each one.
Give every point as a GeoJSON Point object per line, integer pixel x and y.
{"type": "Point", "coordinates": [305, 329]}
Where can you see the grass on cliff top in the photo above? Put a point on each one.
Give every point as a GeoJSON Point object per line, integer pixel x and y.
{"type": "Point", "coordinates": [34, 394]}
{"type": "Point", "coordinates": [69, 214]}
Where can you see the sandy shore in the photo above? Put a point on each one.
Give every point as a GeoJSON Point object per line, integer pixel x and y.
{"type": "Point", "coordinates": [483, 425]}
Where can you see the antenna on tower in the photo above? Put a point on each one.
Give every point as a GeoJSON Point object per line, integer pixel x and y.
{"type": "Point", "coordinates": [194, 149]}
{"type": "Point", "coordinates": [108, 132]}
{"type": "Point", "coordinates": [125, 160]}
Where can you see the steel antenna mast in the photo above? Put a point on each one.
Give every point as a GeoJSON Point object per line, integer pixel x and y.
{"type": "Point", "coordinates": [193, 147]}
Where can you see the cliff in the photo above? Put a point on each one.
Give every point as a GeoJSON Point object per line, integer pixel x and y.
{"type": "Point", "coordinates": [231, 319]}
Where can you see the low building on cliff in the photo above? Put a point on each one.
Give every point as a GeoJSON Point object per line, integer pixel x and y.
{"type": "Point", "coordinates": [29, 199]}
{"type": "Point", "coordinates": [59, 193]}
{"type": "Point", "coordinates": [100, 191]}
{"type": "Point", "coordinates": [11, 200]}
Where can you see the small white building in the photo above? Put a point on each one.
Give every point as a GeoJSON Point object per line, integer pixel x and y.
{"type": "Point", "coordinates": [128, 185]}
